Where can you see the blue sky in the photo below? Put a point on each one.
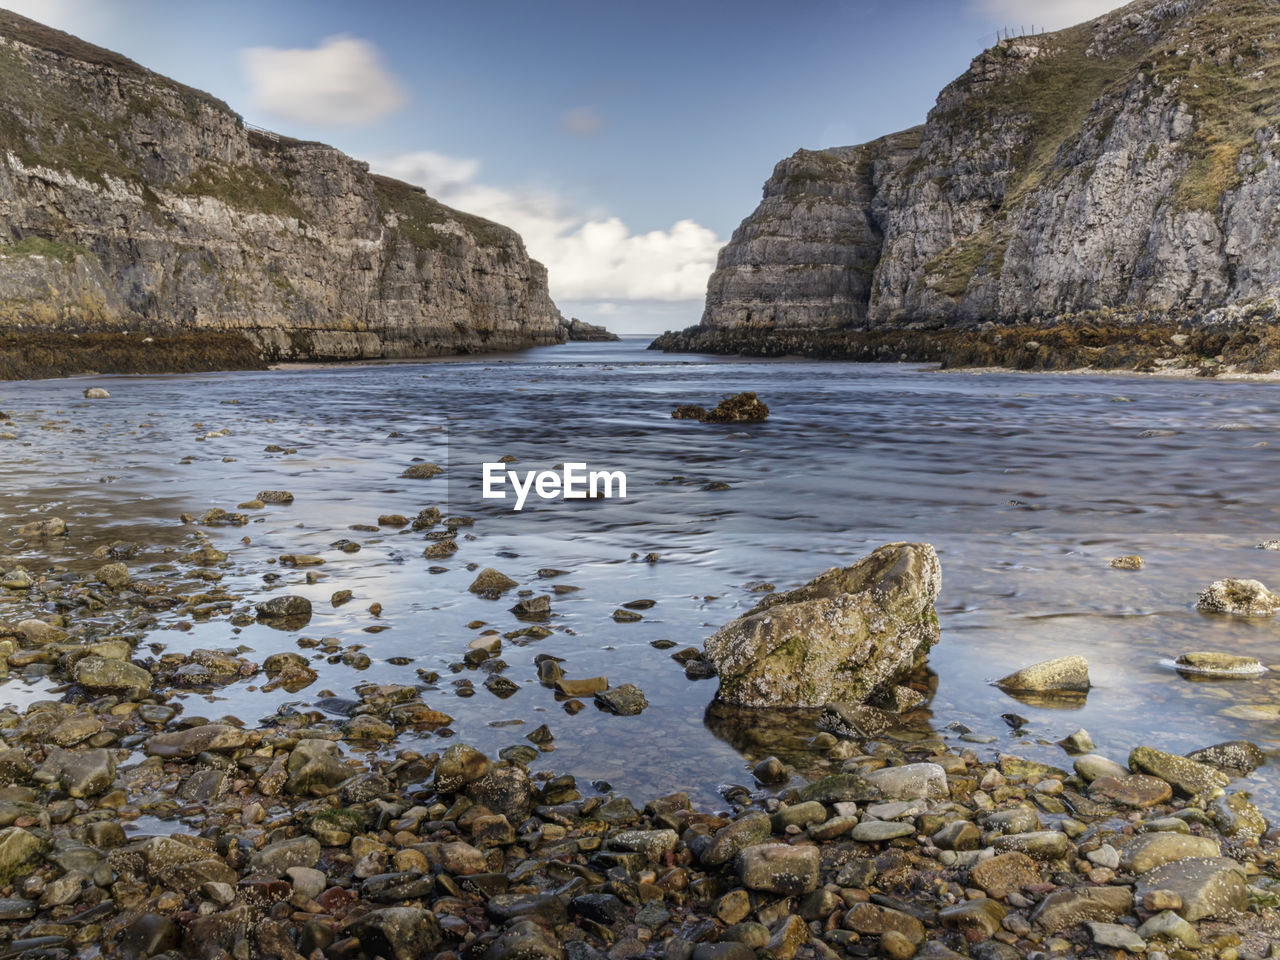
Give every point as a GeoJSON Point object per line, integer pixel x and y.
{"type": "Point", "coordinates": [624, 140]}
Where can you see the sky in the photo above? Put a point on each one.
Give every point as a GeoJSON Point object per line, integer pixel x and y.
{"type": "Point", "coordinates": [624, 140]}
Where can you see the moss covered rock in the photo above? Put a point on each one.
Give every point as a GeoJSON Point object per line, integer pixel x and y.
{"type": "Point", "coordinates": [848, 635]}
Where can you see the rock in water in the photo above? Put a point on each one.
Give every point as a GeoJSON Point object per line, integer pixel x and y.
{"type": "Point", "coordinates": [1211, 664]}
{"type": "Point", "coordinates": [287, 606]}
{"type": "Point", "coordinates": [1242, 598]}
{"type": "Point", "coordinates": [626, 700]}
{"type": "Point", "coordinates": [1063, 675]}
{"type": "Point", "coordinates": [96, 393]}
{"type": "Point", "coordinates": [422, 471]}
{"type": "Point", "coordinates": [1130, 562]}
{"type": "Point", "coordinates": [742, 408]}
{"type": "Point", "coordinates": [848, 635]}
{"type": "Point", "coordinates": [491, 583]}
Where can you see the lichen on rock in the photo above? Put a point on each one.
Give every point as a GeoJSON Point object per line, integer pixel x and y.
{"type": "Point", "coordinates": [849, 635]}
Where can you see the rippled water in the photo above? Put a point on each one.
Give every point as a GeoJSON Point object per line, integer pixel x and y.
{"type": "Point", "coordinates": [1026, 484]}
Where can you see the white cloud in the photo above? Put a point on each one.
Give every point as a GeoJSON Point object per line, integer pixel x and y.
{"type": "Point", "coordinates": [582, 121]}
{"type": "Point", "coordinates": [587, 258]}
{"type": "Point", "coordinates": [341, 82]}
{"type": "Point", "coordinates": [1049, 14]}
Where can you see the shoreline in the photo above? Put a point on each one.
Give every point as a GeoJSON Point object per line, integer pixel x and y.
{"type": "Point", "coordinates": [1099, 345]}
{"type": "Point", "coordinates": [329, 826]}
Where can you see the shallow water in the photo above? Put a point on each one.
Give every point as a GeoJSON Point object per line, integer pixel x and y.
{"type": "Point", "coordinates": [1026, 484]}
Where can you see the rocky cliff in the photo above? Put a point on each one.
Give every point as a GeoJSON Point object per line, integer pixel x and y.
{"type": "Point", "coordinates": [129, 201]}
{"type": "Point", "coordinates": [1125, 168]}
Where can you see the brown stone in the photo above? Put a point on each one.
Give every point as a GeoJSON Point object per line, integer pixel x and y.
{"type": "Point", "coordinates": [1005, 874]}
{"type": "Point", "coordinates": [1138, 790]}
{"type": "Point", "coordinates": [868, 918]}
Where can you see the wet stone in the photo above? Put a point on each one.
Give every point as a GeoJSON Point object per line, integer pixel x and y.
{"type": "Point", "coordinates": [491, 583]}
{"type": "Point", "coordinates": [1091, 767]}
{"type": "Point", "coordinates": [839, 788]}
{"type": "Point", "coordinates": [737, 836]}
{"type": "Point", "coordinates": [1039, 844]}
{"type": "Point", "coordinates": [460, 765]}
{"type": "Point", "coordinates": [148, 935]}
{"type": "Point", "coordinates": [421, 471]}
{"type": "Point", "coordinates": [1136, 790]}
{"type": "Point", "coordinates": [1232, 756]}
{"type": "Point", "coordinates": [652, 843]}
{"type": "Point", "coordinates": [881, 831]}
{"type": "Point", "coordinates": [958, 835]}
{"type": "Point", "coordinates": [100, 675]}
{"type": "Point", "coordinates": [1063, 675]}
{"type": "Point", "coordinates": [1067, 908]}
{"type": "Point", "coordinates": [1241, 598]}
{"type": "Point", "coordinates": [284, 607]}
{"type": "Point", "coordinates": [533, 608]}
{"type": "Point", "coordinates": [1235, 816]}
{"type": "Point", "coordinates": [982, 915]}
{"type": "Point", "coordinates": [770, 770]}
{"type": "Point", "coordinates": [625, 701]}
{"type": "Point", "coordinates": [1209, 887]}
{"type": "Point", "coordinates": [84, 774]}
{"type": "Point", "coordinates": [1186, 776]}
{"type": "Point", "coordinates": [874, 920]}
{"type": "Point", "coordinates": [315, 767]}
{"type": "Point", "coordinates": [209, 737]}
{"type": "Point", "coordinates": [20, 852]}
{"type": "Point", "coordinates": [1116, 936]}
{"type": "Point", "coordinates": [582, 686]}
{"type": "Point", "coordinates": [1168, 926]}
{"type": "Point", "coordinates": [1150, 850]}
{"type": "Point", "coordinates": [113, 576]}
{"type": "Point", "coordinates": [910, 780]}
{"type": "Point", "coordinates": [1005, 874]}
{"type": "Point", "coordinates": [397, 933]}
{"type": "Point", "coordinates": [781, 869]}
{"type": "Point", "coordinates": [1219, 665]}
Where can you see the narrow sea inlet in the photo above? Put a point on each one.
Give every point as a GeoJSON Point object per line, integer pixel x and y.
{"type": "Point", "coordinates": [1027, 485]}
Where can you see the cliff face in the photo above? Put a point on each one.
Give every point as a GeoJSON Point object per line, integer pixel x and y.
{"type": "Point", "coordinates": [1127, 165]}
{"type": "Point", "coordinates": [133, 201]}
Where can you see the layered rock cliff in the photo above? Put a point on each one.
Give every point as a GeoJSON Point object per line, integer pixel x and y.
{"type": "Point", "coordinates": [1127, 167]}
{"type": "Point", "coordinates": [130, 201]}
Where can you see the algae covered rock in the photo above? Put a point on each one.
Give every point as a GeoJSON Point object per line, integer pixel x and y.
{"type": "Point", "coordinates": [744, 407]}
{"type": "Point", "coordinates": [848, 635]}
{"type": "Point", "coordinates": [1061, 675]}
{"type": "Point", "coordinates": [1241, 598]}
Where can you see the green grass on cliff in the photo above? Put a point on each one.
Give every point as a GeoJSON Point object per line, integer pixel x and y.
{"type": "Point", "coordinates": [1228, 74]}
{"type": "Point", "coordinates": [35, 34]}
{"type": "Point", "coordinates": [75, 119]}
{"type": "Point", "coordinates": [40, 247]}
{"type": "Point", "coordinates": [418, 215]}
{"type": "Point", "coordinates": [1053, 98]}
{"type": "Point", "coordinates": [1222, 62]}
{"type": "Point", "coordinates": [246, 187]}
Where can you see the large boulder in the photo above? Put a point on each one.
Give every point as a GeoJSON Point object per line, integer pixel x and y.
{"type": "Point", "coordinates": [849, 635]}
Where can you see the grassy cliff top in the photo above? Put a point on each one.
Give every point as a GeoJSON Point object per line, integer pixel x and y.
{"type": "Point", "coordinates": [14, 26]}
{"type": "Point", "coordinates": [1221, 58]}
{"type": "Point", "coordinates": [418, 214]}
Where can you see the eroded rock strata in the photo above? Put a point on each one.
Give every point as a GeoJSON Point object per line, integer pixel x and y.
{"type": "Point", "coordinates": [129, 202]}
{"type": "Point", "coordinates": [1120, 172]}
